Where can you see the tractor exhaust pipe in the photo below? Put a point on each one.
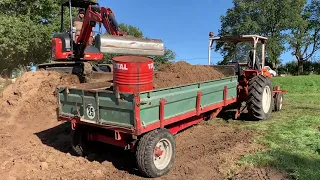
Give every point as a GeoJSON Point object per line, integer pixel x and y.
{"type": "Point", "coordinates": [129, 45]}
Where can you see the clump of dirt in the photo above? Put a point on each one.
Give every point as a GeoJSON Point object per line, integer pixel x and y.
{"type": "Point", "coordinates": [33, 94]}
{"type": "Point", "coordinates": [182, 73]}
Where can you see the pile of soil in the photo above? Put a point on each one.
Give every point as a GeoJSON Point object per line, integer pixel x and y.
{"type": "Point", "coordinates": [182, 73]}
{"type": "Point", "coordinates": [34, 94]}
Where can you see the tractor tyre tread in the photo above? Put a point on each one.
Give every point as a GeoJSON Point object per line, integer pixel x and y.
{"type": "Point", "coordinates": [255, 93]}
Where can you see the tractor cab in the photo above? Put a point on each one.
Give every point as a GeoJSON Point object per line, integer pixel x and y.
{"type": "Point", "coordinates": [249, 52]}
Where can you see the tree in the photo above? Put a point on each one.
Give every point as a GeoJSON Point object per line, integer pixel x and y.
{"type": "Point", "coordinates": [26, 29]}
{"type": "Point", "coordinates": [304, 39]}
{"type": "Point", "coordinates": [266, 18]}
{"type": "Point", "coordinates": [136, 32]}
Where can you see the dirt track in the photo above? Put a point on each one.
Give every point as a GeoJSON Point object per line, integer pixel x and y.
{"type": "Point", "coordinates": [33, 145]}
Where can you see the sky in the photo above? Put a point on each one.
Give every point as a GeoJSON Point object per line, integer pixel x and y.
{"type": "Point", "coordinates": [183, 26]}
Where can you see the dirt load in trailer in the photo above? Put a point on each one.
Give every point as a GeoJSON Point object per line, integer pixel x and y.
{"type": "Point", "coordinates": [146, 122]}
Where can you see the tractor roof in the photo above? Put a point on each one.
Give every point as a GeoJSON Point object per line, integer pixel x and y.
{"type": "Point", "coordinates": [237, 39]}
{"type": "Point", "coordinates": [79, 3]}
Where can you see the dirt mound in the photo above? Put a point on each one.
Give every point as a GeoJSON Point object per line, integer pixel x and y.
{"type": "Point", "coordinates": [181, 73]}
{"type": "Point", "coordinates": [33, 95]}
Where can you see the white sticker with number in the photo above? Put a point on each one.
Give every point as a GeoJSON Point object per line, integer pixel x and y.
{"type": "Point", "coordinates": [91, 112]}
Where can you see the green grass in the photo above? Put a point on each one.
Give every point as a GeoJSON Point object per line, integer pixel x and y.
{"type": "Point", "coordinates": [299, 84]}
{"type": "Point", "coordinates": [292, 135]}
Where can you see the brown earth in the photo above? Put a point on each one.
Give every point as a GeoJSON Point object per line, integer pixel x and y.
{"type": "Point", "coordinates": [181, 73]}
{"type": "Point", "coordinates": [33, 145]}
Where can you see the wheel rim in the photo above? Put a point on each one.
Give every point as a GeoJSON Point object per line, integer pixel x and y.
{"type": "Point", "coordinates": [162, 154]}
{"type": "Point", "coordinates": [266, 99]}
{"type": "Point", "coordinates": [281, 99]}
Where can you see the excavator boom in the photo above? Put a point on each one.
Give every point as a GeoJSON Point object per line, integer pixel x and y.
{"type": "Point", "coordinates": [116, 41]}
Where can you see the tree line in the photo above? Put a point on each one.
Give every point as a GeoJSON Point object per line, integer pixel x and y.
{"type": "Point", "coordinates": [290, 25]}
{"type": "Point", "coordinates": [27, 28]}
{"type": "Point", "coordinates": [291, 68]}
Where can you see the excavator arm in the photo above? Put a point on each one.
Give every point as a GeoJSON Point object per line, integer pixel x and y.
{"type": "Point", "coordinates": [94, 15]}
{"type": "Point", "coordinates": [115, 41]}
{"type": "Point", "coordinates": [110, 22]}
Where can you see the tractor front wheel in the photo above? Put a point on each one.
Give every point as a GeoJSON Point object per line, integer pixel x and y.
{"type": "Point", "coordinates": [260, 103]}
{"type": "Point", "coordinates": [155, 153]}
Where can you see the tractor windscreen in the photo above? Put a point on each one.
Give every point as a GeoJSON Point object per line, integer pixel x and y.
{"type": "Point", "coordinates": [244, 51]}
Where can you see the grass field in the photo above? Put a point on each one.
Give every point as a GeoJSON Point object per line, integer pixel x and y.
{"type": "Point", "coordinates": [292, 135]}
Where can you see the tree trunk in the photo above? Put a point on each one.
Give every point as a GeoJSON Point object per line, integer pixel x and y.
{"type": "Point", "coordinates": [300, 67]}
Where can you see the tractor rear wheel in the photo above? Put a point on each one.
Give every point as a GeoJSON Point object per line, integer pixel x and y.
{"type": "Point", "coordinates": [260, 103]}
{"type": "Point", "coordinates": [155, 153]}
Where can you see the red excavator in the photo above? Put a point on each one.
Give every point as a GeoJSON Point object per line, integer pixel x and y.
{"type": "Point", "coordinates": [74, 52]}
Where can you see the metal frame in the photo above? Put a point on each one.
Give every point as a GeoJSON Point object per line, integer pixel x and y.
{"type": "Point", "coordinates": [255, 39]}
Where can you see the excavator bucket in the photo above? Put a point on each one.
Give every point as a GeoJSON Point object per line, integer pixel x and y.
{"type": "Point", "coordinates": [129, 45]}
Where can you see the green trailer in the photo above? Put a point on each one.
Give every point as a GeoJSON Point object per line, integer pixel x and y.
{"type": "Point", "coordinates": [144, 122]}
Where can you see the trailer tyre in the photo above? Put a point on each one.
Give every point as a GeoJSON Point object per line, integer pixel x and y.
{"type": "Point", "coordinates": [260, 103]}
{"type": "Point", "coordinates": [155, 153]}
{"type": "Point", "coordinates": [278, 102]}
{"type": "Point", "coordinates": [79, 142]}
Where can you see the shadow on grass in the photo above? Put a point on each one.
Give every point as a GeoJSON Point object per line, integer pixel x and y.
{"type": "Point", "coordinates": [59, 138]}
{"type": "Point", "coordinates": [296, 166]}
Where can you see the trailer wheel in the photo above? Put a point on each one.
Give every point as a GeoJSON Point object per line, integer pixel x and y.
{"type": "Point", "coordinates": [260, 103]}
{"type": "Point", "coordinates": [79, 142]}
{"type": "Point", "coordinates": [155, 153]}
{"type": "Point", "coordinates": [278, 102]}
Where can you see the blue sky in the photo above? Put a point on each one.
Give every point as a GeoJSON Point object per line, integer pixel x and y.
{"type": "Point", "coordinates": [182, 25]}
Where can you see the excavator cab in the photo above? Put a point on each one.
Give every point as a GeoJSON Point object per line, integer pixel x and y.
{"type": "Point", "coordinates": [76, 5]}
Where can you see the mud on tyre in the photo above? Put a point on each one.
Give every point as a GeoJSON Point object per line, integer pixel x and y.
{"type": "Point", "coordinates": [260, 103]}
{"type": "Point", "coordinates": [155, 153]}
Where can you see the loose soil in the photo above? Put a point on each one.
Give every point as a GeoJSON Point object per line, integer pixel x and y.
{"type": "Point", "coordinates": [182, 73]}
{"type": "Point", "coordinates": [33, 145]}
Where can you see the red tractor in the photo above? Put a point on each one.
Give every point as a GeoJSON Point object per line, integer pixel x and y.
{"type": "Point", "coordinates": [74, 51]}
{"type": "Point", "coordinates": [255, 88]}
